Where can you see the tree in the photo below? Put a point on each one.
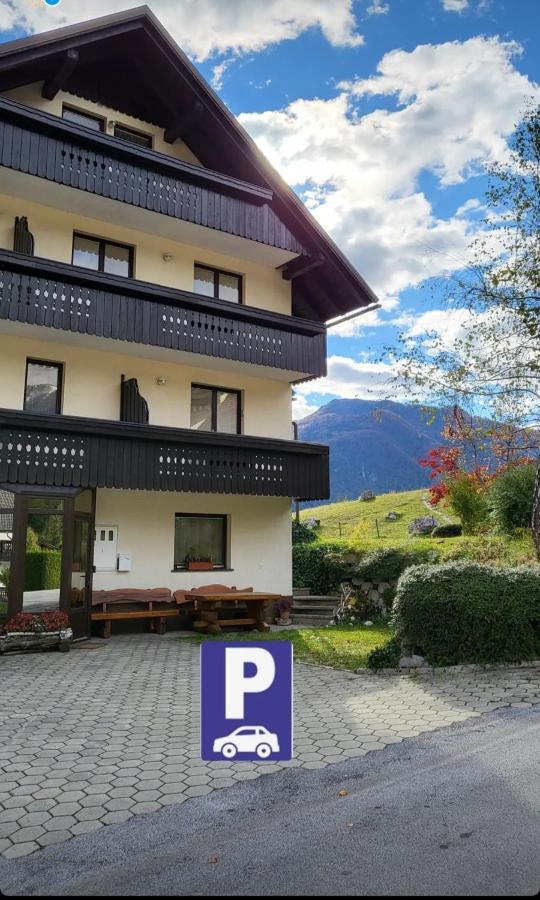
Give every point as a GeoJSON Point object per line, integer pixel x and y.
{"type": "Point", "coordinates": [493, 364]}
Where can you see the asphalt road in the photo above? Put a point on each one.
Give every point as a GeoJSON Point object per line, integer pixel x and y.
{"type": "Point", "coordinates": [455, 812]}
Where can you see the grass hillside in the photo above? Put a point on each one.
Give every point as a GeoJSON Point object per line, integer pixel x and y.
{"type": "Point", "coordinates": [356, 521]}
{"type": "Point", "coordinates": [359, 519]}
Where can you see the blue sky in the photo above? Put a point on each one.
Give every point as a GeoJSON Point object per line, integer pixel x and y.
{"type": "Point", "coordinates": [382, 114]}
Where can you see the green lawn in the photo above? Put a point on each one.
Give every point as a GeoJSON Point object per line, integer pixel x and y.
{"type": "Point", "coordinates": [339, 646]}
{"type": "Point", "coordinates": [357, 521]}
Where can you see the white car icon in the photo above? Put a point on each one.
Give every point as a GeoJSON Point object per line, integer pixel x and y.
{"type": "Point", "coordinates": [248, 739]}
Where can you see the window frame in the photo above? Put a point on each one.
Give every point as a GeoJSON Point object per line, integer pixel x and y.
{"type": "Point", "coordinates": [101, 241]}
{"type": "Point", "coordinates": [217, 272]}
{"type": "Point", "coordinates": [60, 388]}
{"type": "Point", "coordinates": [177, 567]}
{"type": "Point", "coordinates": [215, 390]}
{"type": "Point", "coordinates": [135, 131]}
{"type": "Point", "coordinates": [85, 112]}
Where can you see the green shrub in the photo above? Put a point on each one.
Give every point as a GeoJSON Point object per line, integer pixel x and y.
{"type": "Point", "coordinates": [42, 570]}
{"type": "Point", "coordinates": [483, 548]}
{"type": "Point", "coordinates": [467, 499]}
{"type": "Point", "coordinates": [386, 657]}
{"type": "Point", "coordinates": [301, 534]}
{"type": "Point", "coordinates": [511, 498]}
{"type": "Point", "coordinates": [451, 529]}
{"type": "Point", "coordinates": [465, 612]}
{"type": "Point", "coordinates": [389, 563]}
{"type": "Point", "coordinates": [31, 539]}
{"type": "Point", "coordinates": [319, 566]}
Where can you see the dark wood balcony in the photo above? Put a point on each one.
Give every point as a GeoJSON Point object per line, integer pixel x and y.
{"type": "Point", "coordinates": [65, 451]}
{"type": "Point", "coordinates": [46, 146]}
{"type": "Point", "coordinates": [69, 298]}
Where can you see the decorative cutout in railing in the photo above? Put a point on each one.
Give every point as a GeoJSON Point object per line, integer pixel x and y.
{"type": "Point", "coordinates": [92, 453]}
{"type": "Point", "coordinates": [41, 292]}
{"type": "Point", "coordinates": [43, 145]}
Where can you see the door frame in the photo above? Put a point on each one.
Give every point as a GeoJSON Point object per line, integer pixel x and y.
{"type": "Point", "coordinates": [22, 493]}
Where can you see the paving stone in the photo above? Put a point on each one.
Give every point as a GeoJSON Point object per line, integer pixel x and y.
{"type": "Point", "coordinates": [18, 850]}
{"type": "Point", "coordinates": [7, 828]}
{"type": "Point", "coordinates": [93, 800]}
{"type": "Point", "coordinates": [86, 827]}
{"type": "Point", "coordinates": [119, 803]}
{"type": "Point", "coordinates": [90, 813]}
{"type": "Point", "coordinates": [31, 833]}
{"type": "Point", "coordinates": [116, 818]}
{"type": "Point", "coordinates": [65, 809]}
{"type": "Point", "coordinates": [139, 745]}
{"type": "Point", "coordinates": [139, 808]}
{"type": "Point", "coordinates": [54, 837]}
{"type": "Point", "coordinates": [33, 818]}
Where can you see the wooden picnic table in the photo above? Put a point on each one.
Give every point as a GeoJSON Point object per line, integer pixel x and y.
{"type": "Point", "coordinates": [208, 608]}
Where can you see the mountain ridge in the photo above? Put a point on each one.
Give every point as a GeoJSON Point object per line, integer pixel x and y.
{"type": "Point", "coordinates": [374, 445]}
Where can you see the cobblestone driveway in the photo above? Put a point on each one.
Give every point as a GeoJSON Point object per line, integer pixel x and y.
{"type": "Point", "coordinates": [110, 730]}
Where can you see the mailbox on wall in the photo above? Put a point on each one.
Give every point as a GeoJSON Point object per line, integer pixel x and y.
{"type": "Point", "coordinates": [124, 562]}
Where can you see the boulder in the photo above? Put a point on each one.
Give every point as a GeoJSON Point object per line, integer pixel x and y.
{"type": "Point", "coordinates": [422, 525]}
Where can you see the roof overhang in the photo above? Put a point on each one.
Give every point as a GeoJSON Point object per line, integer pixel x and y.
{"type": "Point", "coordinates": [128, 62]}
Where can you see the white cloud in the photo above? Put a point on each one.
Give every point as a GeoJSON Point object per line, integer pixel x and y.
{"type": "Point", "coordinates": [218, 72]}
{"type": "Point", "coordinates": [378, 8]}
{"type": "Point", "coordinates": [455, 5]}
{"type": "Point", "coordinates": [452, 108]}
{"type": "Point", "coordinates": [351, 378]}
{"type": "Point", "coordinates": [206, 28]}
{"type": "Point", "coordinates": [302, 408]}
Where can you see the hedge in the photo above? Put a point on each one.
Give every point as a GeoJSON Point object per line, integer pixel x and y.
{"type": "Point", "coordinates": [511, 498]}
{"type": "Point", "coordinates": [42, 570]}
{"type": "Point", "coordinates": [466, 612]}
{"type": "Point", "coordinates": [301, 534]}
{"type": "Point", "coordinates": [319, 566]}
{"type": "Point", "coordinates": [389, 563]}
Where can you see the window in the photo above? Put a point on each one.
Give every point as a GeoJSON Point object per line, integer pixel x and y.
{"type": "Point", "coordinates": [216, 409]}
{"type": "Point", "coordinates": [202, 537]}
{"type": "Point", "coordinates": [134, 137]}
{"type": "Point", "coordinates": [217, 283]}
{"type": "Point", "coordinates": [96, 123]}
{"type": "Point", "coordinates": [102, 255]}
{"type": "Point", "coordinates": [43, 387]}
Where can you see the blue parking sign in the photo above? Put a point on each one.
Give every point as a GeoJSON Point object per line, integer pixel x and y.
{"type": "Point", "coordinates": [246, 700]}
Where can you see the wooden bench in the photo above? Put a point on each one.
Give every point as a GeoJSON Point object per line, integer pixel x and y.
{"type": "Point", "coordinates": [107, 608]}
{"type": "Point", "coordinates": [158, 618]}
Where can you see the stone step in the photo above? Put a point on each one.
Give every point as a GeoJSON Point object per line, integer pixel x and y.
{"type": "Point", "coordinates": [301, 592]}
{"type": "Point", "coordinates": [316, 608]}
{"type": "Point", "coordinates": [326, 599]}
{"type": "Point", "coordinates": [310, 619]}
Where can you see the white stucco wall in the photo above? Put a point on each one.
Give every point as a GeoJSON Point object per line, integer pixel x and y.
{"type": "Point", "coordinates": [53, 233]}
{"type": "Point", "coordinates": [260, 539]}
{"type": "Point", "coordinates": [92, 386]}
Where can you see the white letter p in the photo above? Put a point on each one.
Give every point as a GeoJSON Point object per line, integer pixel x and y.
{"type": "Point", "coordinates": [236, 683]}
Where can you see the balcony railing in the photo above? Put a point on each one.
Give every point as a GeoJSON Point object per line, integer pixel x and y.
{"type": "Point", "coordinates": [37, 143]}
{"type": "Point", "coordinates": [69, 298]}
{"type": "Point", "coordinates": [65, 451]}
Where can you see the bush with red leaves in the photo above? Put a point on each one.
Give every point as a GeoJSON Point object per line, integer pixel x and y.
{"type": "Point", "coordinates": [36, 623]}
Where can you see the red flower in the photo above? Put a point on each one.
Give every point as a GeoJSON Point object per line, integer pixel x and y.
{"type": "Point", "coordinates": [37, 623]}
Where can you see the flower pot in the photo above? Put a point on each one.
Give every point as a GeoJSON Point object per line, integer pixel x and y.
{"type": "Point", "coordinates": [31, 640]}
{"type": "Point", "coordinates": [193, 566]}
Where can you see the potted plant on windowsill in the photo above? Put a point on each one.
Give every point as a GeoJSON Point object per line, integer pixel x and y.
{"type": "Point", "coordinates": [198, 562]}
{"type": "Point", "coordinates": [36, 631]}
